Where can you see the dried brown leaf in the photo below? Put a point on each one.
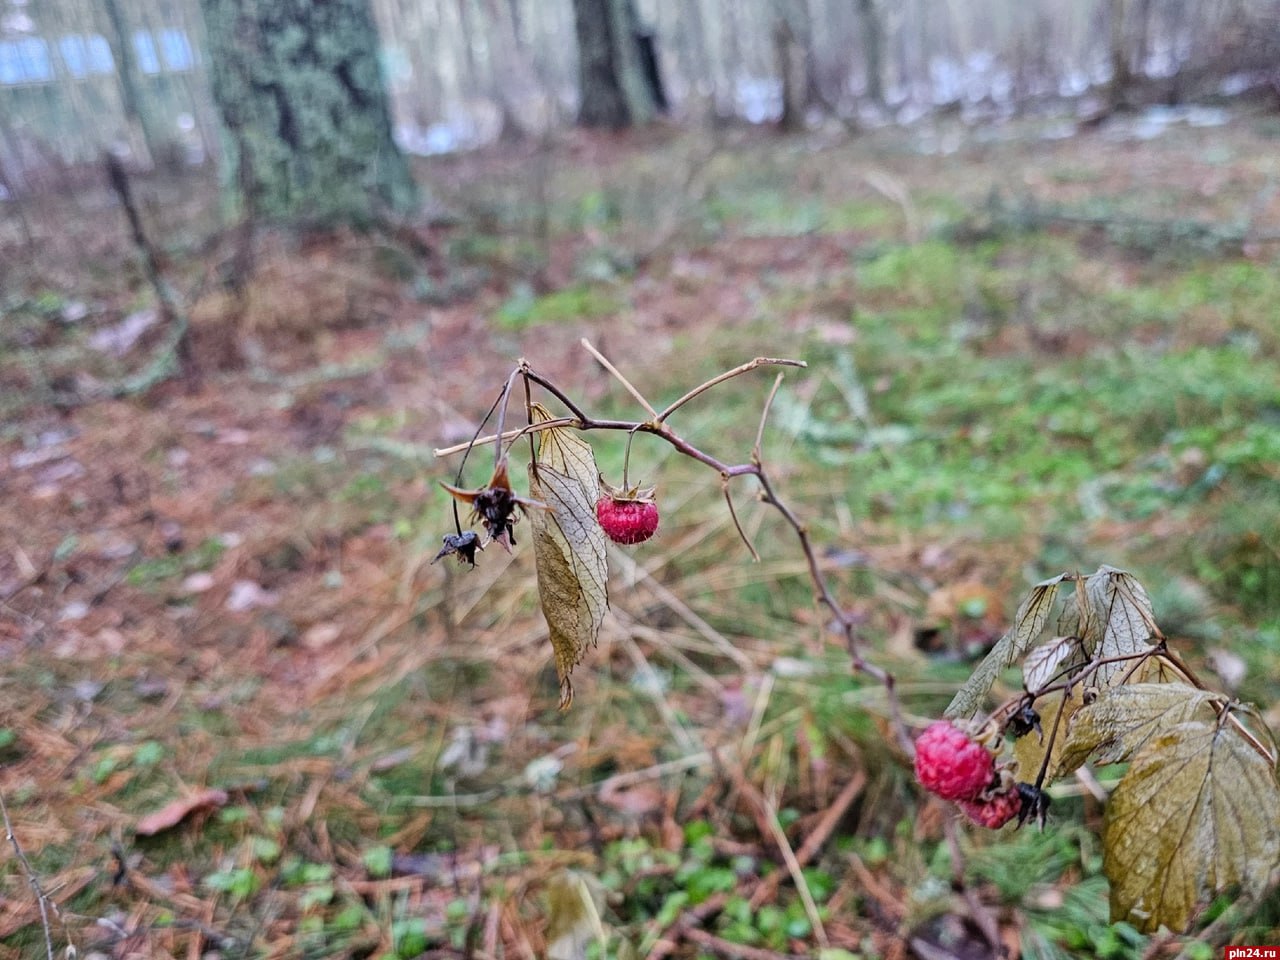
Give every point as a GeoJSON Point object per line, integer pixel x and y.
{"type": "Point", "coordinates": [1123, 719]}
{"type": "Point", "coordinates": [1045, 661]}
{"type": "Point", "coordinates": [1119, 621]}
{"type": "Point", "coordinates": [174, 812]}
{"type": "Point", "coordinates": [569, 546]}
{"type": "Point", "coordinates": [1197, 815]}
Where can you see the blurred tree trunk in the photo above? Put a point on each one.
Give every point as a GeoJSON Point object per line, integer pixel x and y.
{"type": "Point", "coordinates": [792, 68]}
{"type": "Point", "coordinates": [1121, 75]}
{"type": "Point", "coordinates": [872, 50]}
{"type": "Point", "coordinates": [308, 126]}
{"type": "Point", "coordinates": [793, 50]}
{"type": "Point", "coordinates": [611, 77]}
{"type": "Point", "coordinates": [144, 138]}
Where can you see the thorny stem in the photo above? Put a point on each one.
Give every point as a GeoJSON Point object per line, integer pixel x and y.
{"type": "Point", "coordinates": [756, 468]}
{"type": "Point", "coordinates": [42, 898]}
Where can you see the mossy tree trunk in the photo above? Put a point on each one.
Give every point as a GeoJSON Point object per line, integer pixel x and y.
{"type": "Point", "coordinates": [307, 122]}
{"type": "Point", "coordinates": [611, 78]}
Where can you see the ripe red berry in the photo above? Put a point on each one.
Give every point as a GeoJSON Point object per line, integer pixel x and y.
{"type": "Point", "coordinates": [996, 811]}
{"type": "Point", "coordinates": [627, 521]}
{"type": "Point", "coordinates": [951, 764]}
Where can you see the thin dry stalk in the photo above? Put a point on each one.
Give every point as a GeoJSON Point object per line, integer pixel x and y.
{"type": "Point", "coordinates": [42, 899]}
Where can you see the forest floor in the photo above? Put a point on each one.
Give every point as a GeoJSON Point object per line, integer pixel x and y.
{"type": "Point", "coordinates": [242, 714]}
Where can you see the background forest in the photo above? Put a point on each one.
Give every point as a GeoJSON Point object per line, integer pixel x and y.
{"type": "Point", "coordinates": [261, 261]}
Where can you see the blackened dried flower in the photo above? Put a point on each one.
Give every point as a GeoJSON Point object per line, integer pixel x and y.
{"type": "Point", "coordinates": [462, 545]}
{"type": "Point", "coordinates": [495, 505]}
{"type": "Point", "coordinates": [1023, 721]}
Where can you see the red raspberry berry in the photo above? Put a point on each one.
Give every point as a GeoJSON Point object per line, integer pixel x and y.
{"type": "Point", "coordinates": [627, 517]}
{"type": "Point", "coordinates": [952, 765]}
{"type": "Point", "coordinates": [996, 811]}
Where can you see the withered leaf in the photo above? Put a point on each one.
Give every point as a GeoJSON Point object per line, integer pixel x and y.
{"type": "Point", "coordinates": [563, 449]}
{"type": "Point", "coordinates": [569, 546]}
{"type": "Point", "coordinates": [1197, 815]}
{"type": "Point", "coordinates": [1030, 619]}
{"type": "Point", "coordinates": [1119, 621]}
{"type": "Point", "coordinates": [1030, 748]}
{"type": "Point", "coordinates": [1043, 663]}
{"type": "Point", "coordinates": [1123, 719]}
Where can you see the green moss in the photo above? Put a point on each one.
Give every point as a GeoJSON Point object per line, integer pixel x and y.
{"type": "Point", "coordinates": [584, 302]}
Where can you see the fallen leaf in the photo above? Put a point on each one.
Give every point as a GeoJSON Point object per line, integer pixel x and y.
{"type": "Point", "coordinates": [174, 812]}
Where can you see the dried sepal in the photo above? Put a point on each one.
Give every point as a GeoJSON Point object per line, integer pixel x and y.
{"type": "Point", "coordinates": [495, 505]}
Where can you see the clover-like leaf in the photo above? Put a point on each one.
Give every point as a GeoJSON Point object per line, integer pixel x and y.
{"type": "Point", "coordinates": [1119, 621]}
{"type": "Point", "coordinates": [569, 546]}
{"type": "Point", "coordinates": [1030, 619]}
{"type": "Point", "coordinates": [1197, 815]}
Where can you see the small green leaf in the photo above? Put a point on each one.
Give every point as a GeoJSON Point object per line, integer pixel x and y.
{"type": "Point", "coordinates": [148, 754]}
{"type": "Point", "coordinates": [378, 861]}
{"type": "Point", "coordinates": [409, 937]}
{"type": "Point", "coordinates": [239, 883]}
{"type": "Point", "coordinates": [318, 896]}
{"type": "Point", "coordinates": [265, 850]}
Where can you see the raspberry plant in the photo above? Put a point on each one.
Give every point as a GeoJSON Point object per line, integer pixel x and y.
{"type": "Point", "coordinates": [1195, 816]}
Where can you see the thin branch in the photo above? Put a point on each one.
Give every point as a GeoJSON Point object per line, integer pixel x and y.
{"type": "Point", "coordinates": [735, 951]}
{"type": "Point", "coordinates": [756, 468]}
{"type": "Point", "coordinates": [737, 524]}
{"type": "Point", "coordinates": [764, 416]}
{"type": "Point", "coordinates": [42, 899]}
{"type": "Point", "coordinates": [502, 416]}
{"type": "Point", "coordinates": [617, 375]}
{"type": "Point", "coordinates": [727, 375]}
{"type": "Point", "coordinates": [515, 434]}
